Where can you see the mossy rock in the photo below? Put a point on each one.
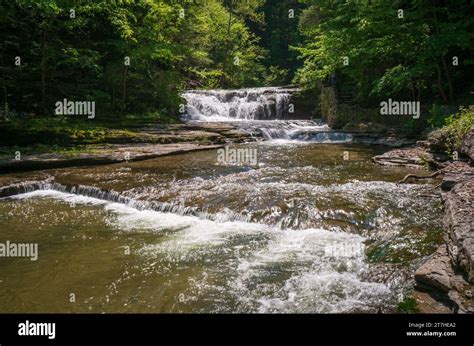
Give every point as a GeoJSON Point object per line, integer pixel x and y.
{"type": "Point", "coordinates": [407, 306]}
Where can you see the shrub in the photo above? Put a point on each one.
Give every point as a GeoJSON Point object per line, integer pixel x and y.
{"type": "Point", "coordinates": [456, 127]}
{"type": "Point", "coordinates": [436, 117]}
{"type": "Point", "coordinates": [407, 306]}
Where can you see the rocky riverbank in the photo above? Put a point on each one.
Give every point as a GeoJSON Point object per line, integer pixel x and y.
{"type": "Point", "coordinates": [444, 282]}
{"type": "Point", "coordinates": [144, 144]}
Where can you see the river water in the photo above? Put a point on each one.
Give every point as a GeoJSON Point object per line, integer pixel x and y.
{"type": "Point", "coordinates": [314, 226]}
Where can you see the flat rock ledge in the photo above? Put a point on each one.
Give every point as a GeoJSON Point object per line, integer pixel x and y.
{"type": "Point", "coordinates": [105, 155]}
{"type": "Point", "coordinates": [146, 143]}
{"type": "Point", "coordinates": [414, 157]}
{"type": "Point", "coordinates": [455, 173]}
{"type": "Point", "coordinates": [430, 152]}
{"type": "Point", "coordinates": [441, 286]}
{"type": "Point", "coordinates": [458, 220]}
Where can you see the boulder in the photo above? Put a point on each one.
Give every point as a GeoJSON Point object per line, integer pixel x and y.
{"type": "Point", "coordinates": [456, 172]}
{"type": "Point", "coordinates": [410, 157]}
{"type": "Point", "coordinates": [467, 145]}
{"type": "Point", "coordinates": [436, 140]}
{"type": "Point", "coordinates": [458, 222]}
{"type": "Point", "coordinates": [439, 276]}
{"type": "Point", "coordinates": [437, 271]}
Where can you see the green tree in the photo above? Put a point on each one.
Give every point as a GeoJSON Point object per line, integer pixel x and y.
{"type": "Point", "coordinates": [383, 48]}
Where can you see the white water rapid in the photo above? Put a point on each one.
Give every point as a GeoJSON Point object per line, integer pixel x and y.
{"type": "Point", "coordinates": [264, 112]}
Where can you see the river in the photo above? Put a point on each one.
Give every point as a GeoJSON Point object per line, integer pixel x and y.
{"type": "Point", "coordinates": [314, 226]}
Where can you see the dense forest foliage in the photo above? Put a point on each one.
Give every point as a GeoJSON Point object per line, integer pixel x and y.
{"type": "Point", "coordinates": [139, 55]}
{"type": "Point", "coordinates": [125, 55]}
{"type": "Point", "coordinates": [417, 50]}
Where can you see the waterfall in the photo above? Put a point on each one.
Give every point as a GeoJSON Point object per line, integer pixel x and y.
{"type": "Point", "coordinates": [313, 131]}
{"type": "Point", "coordinates": [242, 104]}
{"type": "Point", "coordinates": [266, 113]}
{"type": "Point", "coordinates": [112, 196]}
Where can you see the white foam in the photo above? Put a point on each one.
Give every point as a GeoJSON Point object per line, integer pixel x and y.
{"type": "Point", "coordinates": [326, 292]}
{"type": "Point", "coordinates": [66, 197]}
{"type": "Point", "coordinates": [277, 271]}
{"type": "Point", "coordinates": [318, 282]}
{"type": "Point", "coordinates": [242, 104]}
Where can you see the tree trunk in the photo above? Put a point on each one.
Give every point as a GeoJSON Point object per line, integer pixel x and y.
{"type": "Point", "coordinates": [443, 60]}
{"type": "Point", "coordinates": [416, 90]}
{"type": "Point", "coordinates": [43, 71]}
{"type": "Point", "coordinates": [440, 85]}
{"type": "Point", "coordinates": [412, 89]}
{"type": "Point", "coordinates": [448, 78]}
{"type": "Point", "coordinates": [113, 96]}
{"type": "Point", "coordinates": [124, 86]}
{"type": "Point", "coordinates": [5, 104]}
{"type": "Point", "coordinates": [226, 52]}
{"type": "Point", "coordinates": [417, 177]}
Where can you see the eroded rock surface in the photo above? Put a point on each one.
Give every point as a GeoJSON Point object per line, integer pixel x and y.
{"type": "Point", "coordinates": [415, 157]}
{"type": "Point", "coordinates": [458, 220]}
{"type": "Point", "coordinates": [444, 282]}
{"type": "Point", "coordinates": [467, 146]}
{"type": "Point", "coordinates": [144, 144]}
{"type": "Point", "coordinates": [437, 271]}
{"type": "Point", "coordinates": [448, 274]}
{"type": "Point", "coordinates": [455, 173]}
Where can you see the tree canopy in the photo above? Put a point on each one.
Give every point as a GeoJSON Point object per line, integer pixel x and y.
{"type": "Point", "coordinates": [133, 55]}
{"type": "Point", "coordinates": [413, 49]}
{"type": "Point", "coordinates": [139, 55]}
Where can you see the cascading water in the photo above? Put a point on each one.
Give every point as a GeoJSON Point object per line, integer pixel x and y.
{"type": "Point", "coordinates": [306, 231]}
{"type": "Point", "coordinates": [242, 104]}
{"type": "Point", "coordinates": [49, 185]}
{"type": "Point", "coordinates": [292, 131]}
{"type": "Point", "coordinates": [263, 112]}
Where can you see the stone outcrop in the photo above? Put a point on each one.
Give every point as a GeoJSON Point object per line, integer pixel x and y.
{"type": "Point", "coordinates": [436, 141]}
{"type": "Point", "coordinates": [444, 282]}
{"type": "Point", "coordinates": [458, 220]}
{"type": "Point", "coordinates": [427, 153]}
{"type": "Point", "coordinates": [377, 139]}
{"type": "Point", "coordinates": [102, 155]}
{"type": "Point", "coordinates": [456, 172]}
{"type": "Point", "coordinates": [364, 127]}
{"type": "Point", "coordinates": [467, 145]}
{"type": "Point", "coordinates": [376, 134]}
{"type": "Point", "coordinates": [305, 106]}
{"type": "Point", "coordinates": [448, 273]}
{"type": "Point", "coordinates": [146, 143]}
{"type": "Point", "coordinates": [414, 157]}
{"type": "Point", "coordinates": [437, 271]}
